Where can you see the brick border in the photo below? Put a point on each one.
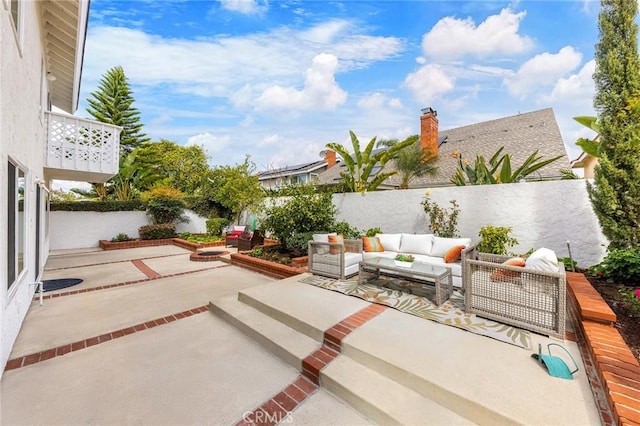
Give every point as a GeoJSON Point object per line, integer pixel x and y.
{"type": "Point", "coordinates": [115, 261]}
{"type": "Point", "coordinates": [26, 360]}
{"type": "Point", "coordinates": [271, 269]}
{"type": "Point", "coordinates": [36, 297]}
{"type": "Point", "coordinates": [617, 368]}
{"type": "Point", "coordinates": [108, 245]}
{"type": "Point", "coordinates": [278, 408]}
{"type": "Point", "coordinates": [145, 269]}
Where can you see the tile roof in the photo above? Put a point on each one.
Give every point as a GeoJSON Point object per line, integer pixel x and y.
{"type": "Point", "coordinates": [520, 135]}
{"type": "Point", "coordinates": [292, 170]}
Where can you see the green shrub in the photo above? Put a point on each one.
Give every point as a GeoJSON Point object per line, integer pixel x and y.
{"type": "Point", "coordinates": [569, 264]}
{"type": "Point", "coordinates": [157, 231]}
{"type": "Point", "coordinates": [297, 244]}
{"type": "Point", "coordinates": [495, 239]}
{"type": "Point", "coordinates": [619, 265]}
{"type": "Point", "coordinates": [303, 212]}
{"type": "Point", "coordinates": [215, 225]}
{"type": "Point", "coordinates": [346, 230]}
{"type": "Point", "coordinates": [373, 231]}
{"type": "Point", "coordinates": [631, 298]}
{"type": "Point", "coordinates": [165, 205]}
{"type": "Point", "coordinates": [98, 206]}
{"type": "Point", "coordinates": [120, 238]}
{"type": "Point", "coordinates": [443, 222]}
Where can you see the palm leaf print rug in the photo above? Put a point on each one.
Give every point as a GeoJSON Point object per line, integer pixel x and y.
{"type": "Point", "coordinates": [450, 313]}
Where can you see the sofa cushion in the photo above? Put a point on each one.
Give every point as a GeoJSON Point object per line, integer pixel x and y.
{"type": "Point", "coordinates": [390, 242]}
{"type": "Point", "coordinates": [416, 243]}
{"type": "Point", "coordinates": [442, 245]}
{"type": "Point", "coordinates": [456, 268]}
{"type": "Point", "coordinates": [335, 239]}
{"type": "Point", "coordinates": [543, 259]}
{"type": "Point", "coordinates": [373, 254]}
{"type": "Point", "coordinates": [453, 254]}
{"type": "Point", "coordinates": [372, 244]}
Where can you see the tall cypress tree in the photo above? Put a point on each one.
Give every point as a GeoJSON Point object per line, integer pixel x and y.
{"type": "Point", "coordinates": [615, 193]}
{"type": "Point", "coordinates": [112, 103]}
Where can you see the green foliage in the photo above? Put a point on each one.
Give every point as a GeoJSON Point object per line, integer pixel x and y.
{"type": "Point", "coordinates": [412, 162]}
{"type": "Point", "coordinates": [499, 169]}
{"type": "Point", "coordinates": [215, 225]}
{"type": "Point", "coordinates": [165, 205]}
{"type": "Point", "coordinates": [495, 239]}
{"type": "Point", "coordinates": [567, 174]}
{"type": "Point", "coordinates": [236, 188]}
{"type": "Point", "coordinates": [346, 230]}
{"type": "Point", "coordinates": [132, 177]}
{"type": "Point", "coordinates": [302, 212]}
{"type": "Point", "coordinates": [182, 167]}
{"type": "Point", "coordinates": [619, 266]}
{"type": "Point", "coordinates": [443, 222]}
{"type": "Point", "coordinates": [359, 176]}
{"type": "Point", "coordinates": [112, 103]}
{"type": "Point", "coordinates": [297, 243]}
{"type": "Point", "coordinates": [631, 298]}
{"type": "Point", "coordinates": [569, 264]}
{"type": "Point", "coordinates": [120, 238]}
{"type": "Point", "coordinates": [371, 232]}
{"type": "Point", "coordinates": [615, 192]}
{"type": "Point", "coordinates": [256, 252]}
{"type": "Point", "coordinates": [98, 206]}
{"type": "Point", "coordinates": [404, 257]}
{"type": "Point", "coordinates": [157, 231]}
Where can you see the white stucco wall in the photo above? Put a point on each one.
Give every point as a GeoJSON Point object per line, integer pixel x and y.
{"type": "Point", "coordinates": [21, 140]}
{"type": "Point", "coordinates": [71, 230]}
{"type": "Point", "coordinates": [542, 214]}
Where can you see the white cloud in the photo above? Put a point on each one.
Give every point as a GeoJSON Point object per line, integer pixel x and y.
{"type": "Point", "coordinates": [429, 82]}
{"type": "Point", "coordinates": [245, 6]}
{"type": "Point", "coordinates": [212, 144]}
{"type": "Point", "coordinates": [542, 71]}
{"type": "Point", "coordinates": [377, 100]}
{"type": "Point", "coordinates": [577, 88]}
{"type": "Point", "coordinates": [320, 90]}
{"type": "Point", "coordinates": [454, 38]}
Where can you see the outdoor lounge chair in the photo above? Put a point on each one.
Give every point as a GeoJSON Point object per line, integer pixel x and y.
{"type": "Point", "coordinates": [335, 260]}
{"type": "Point", "coordinates": [528, 298]}
{"type": "Point", "coordinates": [231, 239]}
{"type": "Point", "coordinates": [248, 240]}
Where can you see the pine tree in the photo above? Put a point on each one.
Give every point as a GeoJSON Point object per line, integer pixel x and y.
{"type": "Point", "coordinates": [615, 193]}
{"type": "Point", "coordinates": [112, 103]}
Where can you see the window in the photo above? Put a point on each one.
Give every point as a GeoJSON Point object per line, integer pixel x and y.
{"type": "Point", "coordinates": [16, 222]}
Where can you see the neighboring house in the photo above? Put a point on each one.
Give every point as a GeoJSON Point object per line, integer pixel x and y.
{"type": "Point", "coordinates": [42, 45]}
{"type": "Point", "coordinates": [520, 135]}
{"type": "Point", "coordinates": [301, 173]}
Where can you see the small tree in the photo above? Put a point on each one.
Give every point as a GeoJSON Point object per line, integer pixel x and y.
{"type": "Point", "coordinates": [412, 162]}
{"type": "Point", "coordinates": [237, 187]}
{"type": "Point", "coordinates": [495, 239]}
{"type": "Point", "coordinates": [359, 175]}
{"type": "Point", "coordinates": [165, 206]}
{"type": "Point", "coordinates": [304, 212]}
{"type": "Point", "coordinates": [443, 222]}
{"type": "Point", "coordinates": [615, 193]}
{"type": "Point", "coordinates": [112, 103]}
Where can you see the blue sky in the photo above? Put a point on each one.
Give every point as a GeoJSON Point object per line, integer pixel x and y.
{"type": "Point", "coordinates": [280, 79]}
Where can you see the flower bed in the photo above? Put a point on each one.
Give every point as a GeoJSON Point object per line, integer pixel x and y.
{"type": "Point", "coordinates": [272, 269]}
{"type": "Point", "coordinates": [108, 245]}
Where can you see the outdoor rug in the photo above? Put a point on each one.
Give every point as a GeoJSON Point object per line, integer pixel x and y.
{"type": "Point", "coordinates": [450, 313]}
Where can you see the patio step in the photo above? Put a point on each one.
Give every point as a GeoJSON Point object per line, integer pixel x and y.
{"type": "Point", "coordinates": [381, 399]}
{"type": "Point", "coordinates": [307, 309]}
{"type": "Point", "coordinates": [283, 341]}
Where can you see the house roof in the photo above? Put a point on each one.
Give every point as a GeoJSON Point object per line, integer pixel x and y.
{"type": "Point", "coordinates": [292, 170]}
{"type": "Point", "coordinates": [520, 135]}
{"type": "Point", "coordinates": [64, 26]}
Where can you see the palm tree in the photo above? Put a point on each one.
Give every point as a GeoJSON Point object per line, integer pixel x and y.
{"type": "Point", "coordinates": [360, 165]}
{"type": "Point", "coordinates": [411, 161]}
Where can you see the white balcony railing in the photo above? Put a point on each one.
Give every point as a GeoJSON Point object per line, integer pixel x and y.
{"type": "Point", "coordinates": [79, 149]}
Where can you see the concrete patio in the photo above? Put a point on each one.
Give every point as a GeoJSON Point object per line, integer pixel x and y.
{"type": "Point", "coordinates": [150, 337]}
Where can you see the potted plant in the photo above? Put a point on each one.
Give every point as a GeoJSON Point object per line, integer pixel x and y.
{"type": "Point", "coordinates": [404, 260]}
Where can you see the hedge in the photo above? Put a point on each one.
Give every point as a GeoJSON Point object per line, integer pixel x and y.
{"type": "Point", "coordinates": [98, 206]}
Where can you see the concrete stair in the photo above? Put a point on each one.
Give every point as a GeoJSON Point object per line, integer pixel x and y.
{"type": "Point", "coordinates": [399, 369]}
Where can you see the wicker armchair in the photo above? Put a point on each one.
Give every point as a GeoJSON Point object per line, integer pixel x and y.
{"type": "Point", "coordinates": [527, 298]}
{"type": "Point", "coordinates": [335, 260]}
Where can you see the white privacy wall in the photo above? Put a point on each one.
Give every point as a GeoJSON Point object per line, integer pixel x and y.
{"type": "Point", "coordinates": [71, 230]}
{"type": "Point", "coordinates": [541, 214]}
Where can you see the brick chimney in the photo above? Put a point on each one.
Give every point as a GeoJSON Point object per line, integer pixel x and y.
{"type": "Point", "coordinates": [330, 158]}
{"type": "Point", "coordinates": [429, 131]}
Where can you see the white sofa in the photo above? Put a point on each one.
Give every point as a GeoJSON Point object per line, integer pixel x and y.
{"type": "Point", "coordinates": [425, 248]}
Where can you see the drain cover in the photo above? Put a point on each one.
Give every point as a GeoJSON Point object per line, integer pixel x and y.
{"type": "Point", "coordinates": [60, 283]}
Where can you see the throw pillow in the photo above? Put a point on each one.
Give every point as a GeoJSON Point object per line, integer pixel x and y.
{"type": "Point", "coordinates": [505, 275]}
{"type": "Point", "coordinates": [453, 254]}
{"type": "Point", "coordinates": [441, 245]}
{"type": "Point", "coordinates": [372, 244]}
{"type": "Point", "coordinates": [543, 259]}
{"type": "Point", "coordinates": [390, 242]}
{"type": "Point", "coordinates": [336, 239]}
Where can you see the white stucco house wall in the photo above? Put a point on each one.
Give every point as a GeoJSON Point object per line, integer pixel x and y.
{"type": "Point", "coordinates": [42, 45]}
